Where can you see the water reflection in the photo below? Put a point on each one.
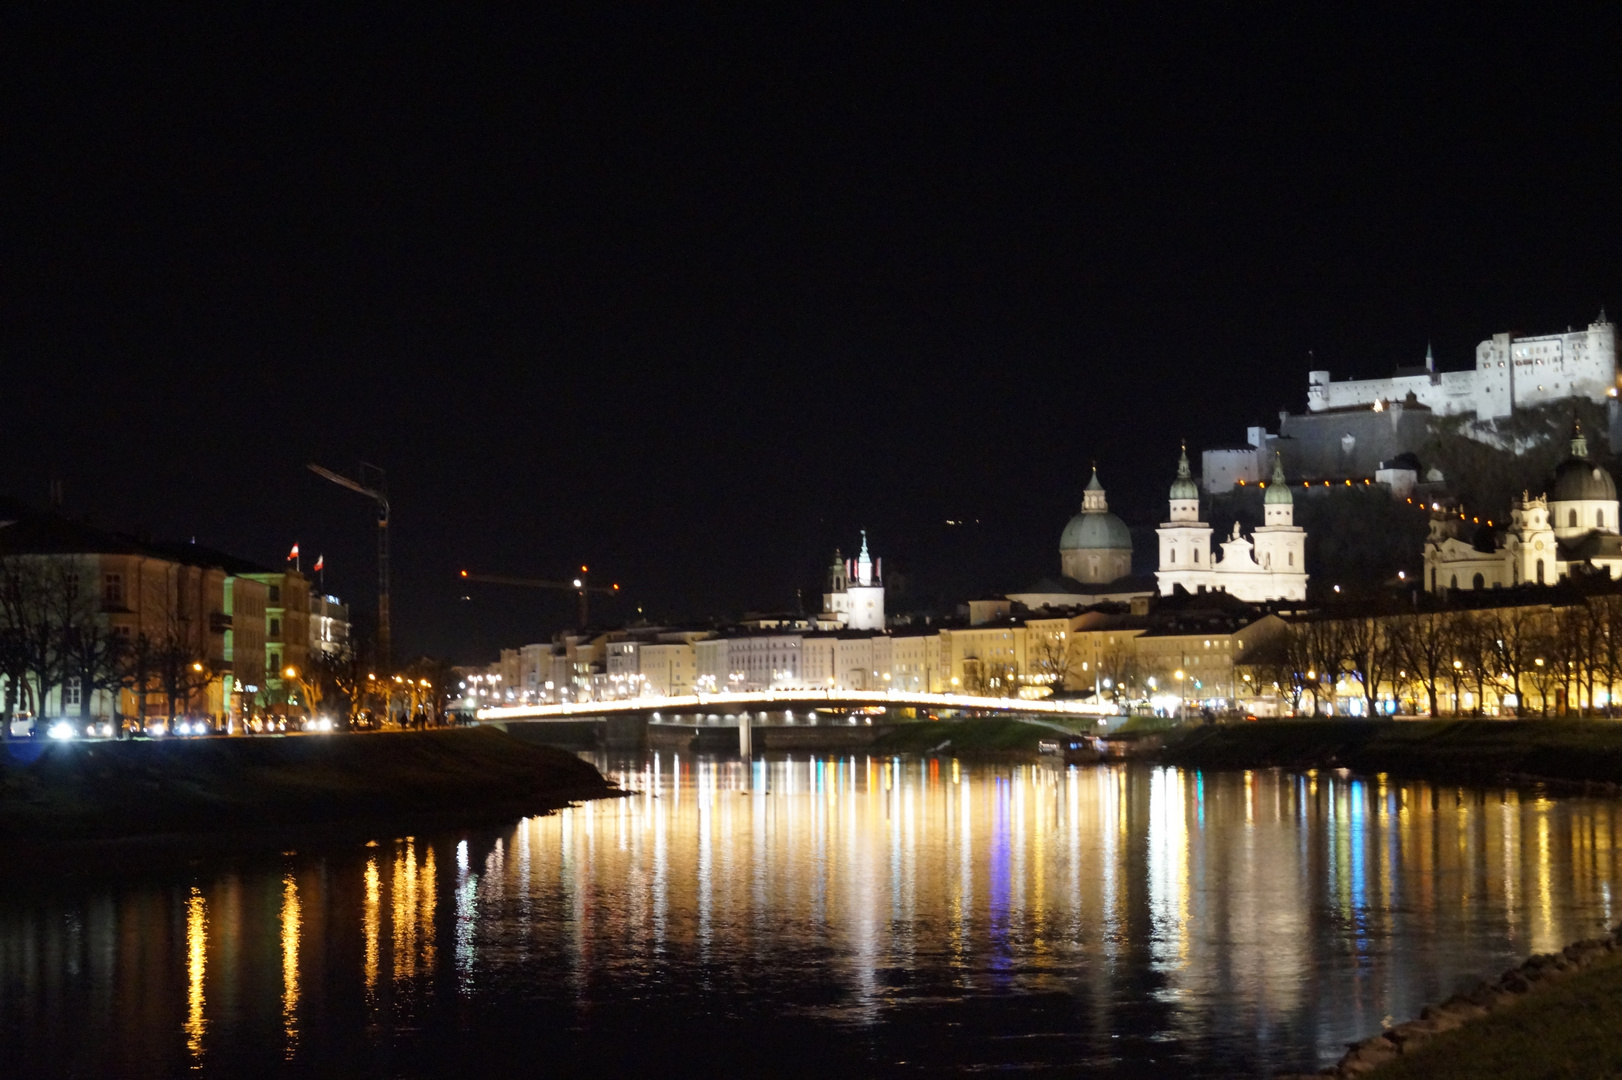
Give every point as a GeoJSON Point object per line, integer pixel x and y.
{"type": "Point", "coordinates": [847, 910]}
{"type": "Point", "coordinates": [196, 967]}
{"type": "Point", "coordinates": [290, 934]}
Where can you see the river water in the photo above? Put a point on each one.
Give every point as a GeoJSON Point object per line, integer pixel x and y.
{"type": "Point", "coordinates": [830, 916]}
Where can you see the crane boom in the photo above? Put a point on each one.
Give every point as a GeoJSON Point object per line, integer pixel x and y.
{"type": "Point", "coordinates": [378, 495]}
{"type": "Point", "coordinates": [343, 481]}
{"type": "Point", "coordinates": [579, 585]}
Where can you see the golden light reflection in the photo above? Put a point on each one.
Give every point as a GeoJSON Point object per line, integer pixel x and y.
{"type": "Point", "coordinates": [291, 919]}
{"type": "Point", "coordinates": [371, 920]}
{"type": "Point", "coordinates": [196, 965]}
{"type": "Point", "coordinates": [403, 893]}
{"type": "Point", "coordinates": [1333, 901]}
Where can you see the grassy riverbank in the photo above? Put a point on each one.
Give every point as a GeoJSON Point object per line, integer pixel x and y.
{"type": "Point", "coordinates": [1568, 1031]}
{"type": "Point", "coordinates": [78, 791]}
{"type": "Point", "coordinates": [1474, 751]}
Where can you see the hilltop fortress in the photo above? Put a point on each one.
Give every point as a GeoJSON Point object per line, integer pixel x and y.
{"type": "Point", "coordinates": [1375, 429]}
{"type": "Point", "coordinates": [1510, 373]}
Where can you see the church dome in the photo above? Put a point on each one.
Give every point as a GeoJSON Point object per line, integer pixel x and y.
{"type": "Point", "coordinates": [1091, 531]}
{"type": "Point", "coordinates": [1184, 487]}
{"type": "Point", "coordinates": [1278, 489]}
{"type": "Point", "coordinates": [1577, 479]}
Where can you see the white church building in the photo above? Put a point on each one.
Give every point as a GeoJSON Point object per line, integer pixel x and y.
{"type": "Point", "coordinates": [1572, 525]}
{"type": "Point", "coordinates": [1510, 373]}
{"type": "Point", "coordinates": [1268, 565]}
{"type": "Point", "coordinates": [855, 596]}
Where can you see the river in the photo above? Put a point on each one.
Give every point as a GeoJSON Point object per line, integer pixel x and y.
{"type": "Point", "coordinates": [828, 916]}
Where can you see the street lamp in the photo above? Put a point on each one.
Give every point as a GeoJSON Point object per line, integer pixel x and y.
{"type": "Point", "coordinates": [1182, 691]}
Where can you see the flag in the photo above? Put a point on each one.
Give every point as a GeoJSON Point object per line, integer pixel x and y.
{"type": "Point", "coordinates": [291, 555]}
{"type": "Point", "coordinates": [320, 561]}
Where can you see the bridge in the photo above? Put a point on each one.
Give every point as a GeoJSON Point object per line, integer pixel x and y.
{"type": "Point", "coordinates": [625, 723]}
{"type": "Point", "coordinates": [772, 700]}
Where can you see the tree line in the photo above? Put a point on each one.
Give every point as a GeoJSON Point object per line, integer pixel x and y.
{"type": "Point", "coordinates": [1531, 659]}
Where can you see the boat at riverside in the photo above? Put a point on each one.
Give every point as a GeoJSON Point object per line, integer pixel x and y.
{"type": "Point", "coordinates": [837, 914]}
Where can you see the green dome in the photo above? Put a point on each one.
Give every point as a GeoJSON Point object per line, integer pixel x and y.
{"type": "Point", "coordinates": [1577, 479]}
{"type": "Point", "coordinates": [1278, 489]}
{"type": "Point", "coordinates": [1090, 531]}
{"type": "Point", "coordinates": [1184, 487]}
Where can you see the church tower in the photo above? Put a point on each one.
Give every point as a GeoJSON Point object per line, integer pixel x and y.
{"type": "Point", "coordinates": [1280, 544]}
{"type": "Point", "coordinates": [1185, 540]}
{"type": "Point", "coordinates": [865, 593]}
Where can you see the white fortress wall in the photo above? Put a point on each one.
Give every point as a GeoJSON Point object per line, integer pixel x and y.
{"type": "Point", "coordinates": [1511, 372]}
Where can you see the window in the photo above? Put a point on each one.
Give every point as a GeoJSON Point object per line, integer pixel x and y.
{"type": "Point", "coordinates": [1571, 519]}
{"type": "Point", "coordinates": [112, 590]}
{"type": "Point", "coordinates": [1540, 571]}
{"type": "Point", "coordinates": [1454, 582]}
{"type": "Point", "coordinates": [275, 628]}
{"type": "Point", "coordinates": [1599, 519]}
{"type": "Point", "coordinates": [1196, 555]}
{"type": "Point", "coordinates": [275, 596]}
{"type": "Point", "coordinates": [274, 662]}
{"type": "Point", "coordinates": [70, 694]}
{"type": "Point", "coordinates": [1292, 558]}
{"type": "Point", "coordinates": [1173, 554]}
{"type": "Point", "coordinates": [1479, 582]}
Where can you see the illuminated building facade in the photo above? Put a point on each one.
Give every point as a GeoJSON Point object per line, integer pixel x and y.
{"type": "Point", "coordinates": [1574, 524]}
{"type": "Point", "coordinates": [1268, 565]}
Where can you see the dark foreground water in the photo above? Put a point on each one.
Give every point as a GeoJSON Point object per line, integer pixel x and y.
{"type": "Point", "coordinates": [839, 916]}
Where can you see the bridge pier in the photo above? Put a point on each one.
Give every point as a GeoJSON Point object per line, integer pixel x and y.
{"type": "Point", "coordinates": [744, 749]}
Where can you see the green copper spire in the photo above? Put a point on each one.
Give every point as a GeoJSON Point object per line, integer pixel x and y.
{"type": "Point", "coordinates": [1183, 487]}
{"type": "Point", "coordinates": [1579, 444]}
{"type": "Point", "coordinates": [1278, 489]}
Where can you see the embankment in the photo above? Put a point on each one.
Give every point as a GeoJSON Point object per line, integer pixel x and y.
{"type": "Point", "coordinates": [1555, 1015]}
{"type": "Point", "coordinates": [960, 737]}
{"type": "Point", "coordinates": [68, 792]}
{"type": "Point", "coordinates": [1566, 752]}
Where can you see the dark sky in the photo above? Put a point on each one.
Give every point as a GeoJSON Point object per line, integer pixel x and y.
{"type": "Point", "coordinates": [694, 300]}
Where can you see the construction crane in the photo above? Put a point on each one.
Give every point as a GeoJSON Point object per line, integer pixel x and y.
{"type": "Point", "coordinates": [579, 585]}
{"type": "Point", "coordinates": [378, 493]}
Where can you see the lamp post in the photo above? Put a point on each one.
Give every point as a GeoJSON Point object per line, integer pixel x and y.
{"type": "Point", "coordinates": [1182, 692]}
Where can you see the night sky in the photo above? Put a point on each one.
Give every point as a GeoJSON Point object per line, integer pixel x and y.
{"type": "Point", "coordinates": [692, 301]}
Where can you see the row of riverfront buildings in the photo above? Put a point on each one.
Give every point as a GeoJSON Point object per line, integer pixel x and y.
{"type": "Point", "coordinates": [246, 625]}
{"type": "Point", "coordinates": [1185, 627]}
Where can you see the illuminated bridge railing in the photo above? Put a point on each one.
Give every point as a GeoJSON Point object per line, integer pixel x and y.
{"type": "Point", "coordinates": [769, 699]}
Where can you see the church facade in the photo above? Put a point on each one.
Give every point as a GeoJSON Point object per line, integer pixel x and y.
{"type": "Point", "coordinates": [1270, 564]}
{"type": "Point", "coordinates": [855, 596]}
{"type": "Point", "coordinates": [1572, 527]}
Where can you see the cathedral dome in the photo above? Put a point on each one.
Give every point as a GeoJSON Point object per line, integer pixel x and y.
{"type": "Point", "coordinates": [1090, 531]}
{"type": "Point", "coordinates": [1577, 479]}
{"type": "Point", "coordinates": [1183, 487]}
{"type": "Point", "coordinates": [1095, 528]}
{"type": "Point", "coordinates": [1278, 489]}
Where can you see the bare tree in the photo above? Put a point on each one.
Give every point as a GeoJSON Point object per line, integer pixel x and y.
{"type": "Point", "coordinates": [1366, 652]}
{"type": "Point", "coordinates": [1053, 660]}
{"type": "Point", "coordinates": [1510, 638]}
{"type": "Point", "coordinates": [1118, 670]}
{"type": "Point", "coordinates": [1422, 651]}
